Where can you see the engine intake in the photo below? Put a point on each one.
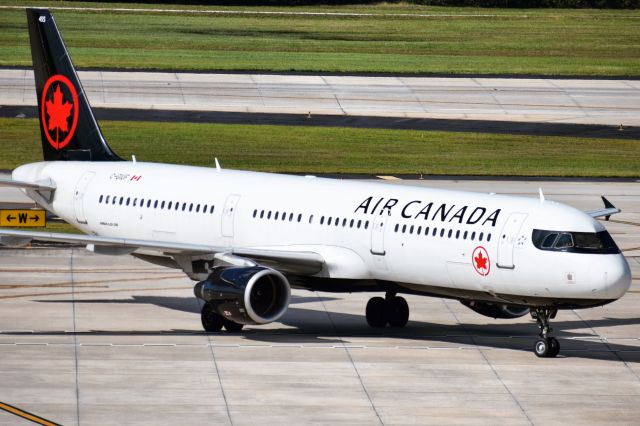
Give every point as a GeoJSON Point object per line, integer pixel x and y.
{"type": "Point", "coordinates": [494, 310]}
{"type": "Point", "coordinates": [253, 295]}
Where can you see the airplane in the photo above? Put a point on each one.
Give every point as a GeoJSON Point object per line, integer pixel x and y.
{"type": "Point", "coordinates": [248, 238]}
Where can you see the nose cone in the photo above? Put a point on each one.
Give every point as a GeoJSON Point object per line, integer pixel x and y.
{"type": "Point", "coordinates": [617, 277]}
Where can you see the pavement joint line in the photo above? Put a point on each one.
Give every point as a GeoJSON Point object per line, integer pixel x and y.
{"type": "Point", "coordinates": [489, 364]}
{"type": "Point", "coordinates": [75, 335]}
{"type": "Point", "coordinates": [199, 304]}
{"type": "Point", "coordinates": [353, 364]}
{"type": "Point", "coordinates": [606, 344]}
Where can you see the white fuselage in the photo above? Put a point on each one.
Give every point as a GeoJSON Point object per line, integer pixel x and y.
{"type": "Point", "coordinates": [424, 238]}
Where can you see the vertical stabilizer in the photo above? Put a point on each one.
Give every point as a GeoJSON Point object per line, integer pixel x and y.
{"type": "Point", "coordinates": [68, 128]}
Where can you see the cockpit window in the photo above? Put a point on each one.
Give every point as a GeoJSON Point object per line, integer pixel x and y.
{"type": "Point", "coordinates": [575, 242]}
{"type": "Point", "coordinates": [549, 240]}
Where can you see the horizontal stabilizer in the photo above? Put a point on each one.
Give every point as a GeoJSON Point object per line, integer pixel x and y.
{"type": "Point", "coordinates": [38, 186]}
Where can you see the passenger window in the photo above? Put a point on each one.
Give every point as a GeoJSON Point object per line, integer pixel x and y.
{"type": "Point", "coordinates": [351, 225]}
{"type": "Point", "coordinates": [442, 232]}
{"type": "Point", "coordinates": [404, 228]}
{"type": "Point", "coordinates": [457, 234]}
{"type": "Point", "coordinates": [311, 219]}
{"type": "Point", "coordinates": [148, 203]}
{"type": "Point", "coordinates": [204, 208]}
{"type": "Point", "coordinates": [395, 229]}
{"type": "Point", "coordinates": [100, 200]}
{"type": "Point", "coordinates": [449, 234]}
{"type": "Point", "coordinates": [329, 221]}
{"type": "Point", "coordinates": [419, 231]}
{"type": "Point", "coordinates": [114, 200]}
{"type": "Point", "coordinates": [359, 223]}
{"type": "Point", "coordinates": [155, 204]}
{"type": "Point", "coordinates": [344, 222]}
{"type": "Point", "coordinates": [255, 212]}
{"type": "Point", "coordinates": [162, 205]}
{"type": "Point", "coordinates": [366, 225]}
{"type": "Point", "coordinates": [488, 237]}
{"type": "Point", "coordinates": [564, 241]}
{"type": "Point", "coordinates": [269, 215]}
{"type": "Point", "coordinates": [107, 200]}
{"type": "Point", "coordinates": [465, 234]}
{"type": "Point", "coordinates": [337, 222]}
{"type": "Point", "coordinates": [177, 205]}
{"type": "Point", "coordinates": [121, 200]}
{"type": "Point", "coordinates": [211, 209]}
{"type": "Point", "coordinates": [411, 229]}
{"type": "Point", "coordinates": [426, 231]}
{"type": "Point", "coordinates": [191, 207]}
{"type": "Point", "coordinates": [435, 231]}
{"type": "Point", "coordinates": [275, 217]}
{"type": "Point", "coordinates": [128, 200]}
{"type": "Point", "coordinates": [261, 214]}
{"type": "Point", "coordinates": [549, 240]}
{"type": "Point", "coordinates": [291, 217]}
{"type": "Point", "coordinates": [300, 217]}
{"type": "Point", "coordinates": [135, 202]}
{"type": "Point", "coordinates": [141, 202]}
{"type": "Point", "coordinates": [322, 220]}
{"type": "Point", "coordinates": [481, 236]}
{"type": "Point", "coordinates": [473, 236]}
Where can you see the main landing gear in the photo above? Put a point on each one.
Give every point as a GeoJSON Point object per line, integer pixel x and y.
{"type": "Point", "coordinates": [392, 310]}
{"type": "Point", "coordinates": [213, 322]}
{"type": "Point", "coordinates": [546, 346]}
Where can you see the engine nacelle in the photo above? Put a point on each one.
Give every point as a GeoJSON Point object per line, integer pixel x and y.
{"type": "Point", "coordinates": [496, 310]}
{"type": "Point", "coordinates": [246, 295]}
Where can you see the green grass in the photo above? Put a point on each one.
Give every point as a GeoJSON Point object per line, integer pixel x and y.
{"type": "Point", "coordinates": [545, 42]}
{"type": "Point", "coordinates": [345, 150]}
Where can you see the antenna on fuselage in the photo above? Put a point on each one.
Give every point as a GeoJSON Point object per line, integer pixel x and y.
{"type": "Point", "coordinates": [541, 195]}
{"type": "Point", "coordinates": [218, 168]}
{"type": "Point", "coordinates": [133, 158]}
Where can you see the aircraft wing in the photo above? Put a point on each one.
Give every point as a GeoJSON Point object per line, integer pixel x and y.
{"type": "Point", "coordinates": [302, 262]}
{"type": "Point", "coordinates": [608, 210]}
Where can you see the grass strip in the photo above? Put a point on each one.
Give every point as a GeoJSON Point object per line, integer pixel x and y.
{"type": "Point", "coordinates": [452, 41]}
{"type": "Point", "coordinates": [291, 149]}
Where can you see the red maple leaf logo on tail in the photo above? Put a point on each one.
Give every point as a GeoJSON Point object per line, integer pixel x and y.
{"type": "Point", "coordinates": [58, 112]}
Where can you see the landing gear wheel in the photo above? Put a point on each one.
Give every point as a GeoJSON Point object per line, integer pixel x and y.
{"type": "Point", "coordinates": [546, 346]}
{"type": "Point", "coordinates": [232, 326]}
{"type": "Point", "coordinates": [542, 348]}
{"type": "Point", "coordinates": [376, 312]}
{"type": "Point", "coordinates": [397, 311]}
{"type": "Point", "coordinates": [211, 320]}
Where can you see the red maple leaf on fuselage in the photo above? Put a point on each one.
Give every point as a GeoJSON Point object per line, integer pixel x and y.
{"type": "Point", "coordinates": [58, 112]}
{"type": "Point", "coordinates": [481, 262]}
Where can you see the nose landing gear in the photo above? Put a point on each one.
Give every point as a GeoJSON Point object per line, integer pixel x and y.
{"type": "Point", "coordinates": [392, 310]}
{"type": "Point", "coordinates": [546, 346]}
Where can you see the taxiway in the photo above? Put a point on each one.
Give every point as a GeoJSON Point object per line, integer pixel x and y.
{"type": "Point", "coordinates": [88, 339]}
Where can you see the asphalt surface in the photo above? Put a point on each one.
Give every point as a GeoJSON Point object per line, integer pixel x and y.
{"type": "Point", "coordinates": [87, 339]}
{"type": "Point", "coordinates": [467, 104]}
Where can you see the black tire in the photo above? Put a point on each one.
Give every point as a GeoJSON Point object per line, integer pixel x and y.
{"type": "Point", "coordinates": [555, 347]}
{"type": "Point", "coordinates": [211, 321]}
{"type": "Point", "coordinates": [231, 326]}
{"type": "Point", "coordinates": [376, 312]}
{"type": "Point", "coordinates": [397, 311]}
{"type": "Point", "coordinates": [542, 348]}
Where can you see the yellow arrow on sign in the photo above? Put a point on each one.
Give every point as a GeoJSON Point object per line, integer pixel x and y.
{"type": "Point", "coordinates": [23, 218]}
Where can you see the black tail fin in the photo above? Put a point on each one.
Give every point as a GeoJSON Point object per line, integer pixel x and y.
{"type": "Point", "coordinates": [67, 125]}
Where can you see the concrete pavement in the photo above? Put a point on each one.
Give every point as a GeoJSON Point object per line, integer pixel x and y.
{"type": "Point", "coordinates": [601, 102]}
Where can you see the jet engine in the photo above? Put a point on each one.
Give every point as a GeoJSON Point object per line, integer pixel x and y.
{"type": "Point", "coordinates": [496, 310]}
{"type": "Point", "coordinates": [246, 295]}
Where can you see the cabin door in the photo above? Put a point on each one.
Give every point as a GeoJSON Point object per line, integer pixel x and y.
{"type": "Point", "coordinates": [228, 214]}
{"type": "Point", "coordinates": [78, 197]}
{"type": "Point", "coordinates": [507, 240]}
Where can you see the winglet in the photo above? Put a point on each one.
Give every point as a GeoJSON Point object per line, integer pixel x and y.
{"type": "Point", "coordinates": [608, 210]}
